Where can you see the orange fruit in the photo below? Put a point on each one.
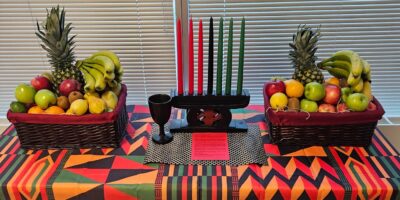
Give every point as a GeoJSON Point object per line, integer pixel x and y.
{"type": "Point", "coordinates": [294, 88]}
{"type": "Point", "coordinates": [54, 110]}
{"type": "Point", "coordinates": [35, 110]}
{"type": "Point", "coordinates": [333, 81]}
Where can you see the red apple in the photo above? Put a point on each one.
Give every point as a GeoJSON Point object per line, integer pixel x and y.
{"type": "Point", "coordinates": [326, 108]}
{"type": "Point", "coordinates": [371, 106]}
{"type": "Point", "coordinates": [68, 86]}
{"type": "Point", "coordinates": [274, 87]}
{"type": "Point", "coordinates": [40, 82]}
{"type": "Point", "coordinates": [341, 107]}
{"type": "Point", "coordinates": [332, 94]}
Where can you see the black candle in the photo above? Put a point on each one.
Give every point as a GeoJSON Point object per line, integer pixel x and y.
{"type": "Point", "coordinates": [210, 58]}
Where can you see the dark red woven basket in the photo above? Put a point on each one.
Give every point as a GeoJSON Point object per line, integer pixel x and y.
{"type": "Point", "coordinates": [325, 129]}
{"type": "Point", "coordinates": [42, 131]}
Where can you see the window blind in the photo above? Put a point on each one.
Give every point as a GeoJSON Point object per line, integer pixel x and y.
{"type": "Point", "coordinates": [368, 27]}
{"type": "Point", "coordinates": [141, 33]}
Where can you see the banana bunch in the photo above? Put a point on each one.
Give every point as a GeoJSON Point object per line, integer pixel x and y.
{"type": "Point", "coordinates": [100, 70]}
{"type": "Point", "coordinates": [347, 64]}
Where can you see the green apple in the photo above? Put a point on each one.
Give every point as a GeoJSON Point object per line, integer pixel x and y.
{"type": "Point", "coordinates": [308, 106]}
{"type": "Point", "coordinates": [314, 91]}
{"type": "Point", "coordinates": [357, 102]}
{"type": "Point", "coordinates": [25, 93]}
{"type": "Point", "coordinates": [44, 98]}
{"type": "Point", "coordinates": [346, 91]}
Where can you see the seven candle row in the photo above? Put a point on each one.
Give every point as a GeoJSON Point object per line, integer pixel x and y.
{"type": "Point", "coordinates": [228, 76]}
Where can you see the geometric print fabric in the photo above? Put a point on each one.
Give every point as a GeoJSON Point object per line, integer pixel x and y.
{"type": "Point", "coordinates": [291, 173]}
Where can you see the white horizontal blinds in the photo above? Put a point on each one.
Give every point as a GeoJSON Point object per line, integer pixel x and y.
{"type": "Point", "coordinates": [371, 28]}
{"type": "Point", "coordinates": [140, 32]}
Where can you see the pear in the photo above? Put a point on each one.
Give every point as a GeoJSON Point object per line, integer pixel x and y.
{"type": "Point", "coordinates": [79, 107]}
{"type": "Point", "coordinates": [88, 94]}
{"type": "Point", "coordinates": [96, 105]}
{"type": "Point", "coordinates": [110, 98]}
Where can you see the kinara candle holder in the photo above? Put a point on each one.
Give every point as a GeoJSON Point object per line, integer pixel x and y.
{"type": "Point", "coordinates": [209, 113]}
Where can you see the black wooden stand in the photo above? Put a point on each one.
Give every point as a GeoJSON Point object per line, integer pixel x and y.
{"type": "Point", "coordinates": [209, 113]}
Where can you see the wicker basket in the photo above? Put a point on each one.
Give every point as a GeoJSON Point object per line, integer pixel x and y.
{"type": "Point", "coordinates": [325, 129]}
{"type": "Point", "coordinates": [41, 131]}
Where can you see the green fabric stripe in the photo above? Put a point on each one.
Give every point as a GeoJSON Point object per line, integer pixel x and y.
{"type": "Point", "coordinates": [4, 140]}
{"type": "Point", "coordinates": [204, 187]}
{"type": "Point", "coordinates": [209, 170]}
{"type": "Point", "coordinates": [180, 170]}
{"type": "Point", "coordinates": [363, 186]}
{"type": "Point", "coordinates": [8, 173]}
{"type": "Point", "coordinates": [373, 151]}
{"type": "Point", "coordinates": [174, 187]}
{"type": "Point", "coordinates": [389, 167]}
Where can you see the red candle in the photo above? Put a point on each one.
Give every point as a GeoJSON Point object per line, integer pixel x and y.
{"type": "Point", "coordinates": [200, 60]}
{"type": "Point", "coordinates": [179, 47]}
{"type": "Point", "coordinates": [191, 57]}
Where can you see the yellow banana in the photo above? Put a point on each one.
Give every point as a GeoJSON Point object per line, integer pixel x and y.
{"type": "Point", "coordinates": [359, 87]}
{"type": "Point", "coordinates": [352, 81]}
{"type": "Point", "coordinates": [89, 80]}
{"type": "Point", "coordinates": [366, 67]}
{"type": "Point", "coordinates": [345, 65]}
{"type": "Point", "coordinates": [367, 90]}
{"type": "Point", "coordinates": [104, 61]}
{"type": "Point", "coordinates": [100, 83]}
{"type": "Point", "coordinates": [110, 55]}
{"type": "Point", "coordinates": [107, 76]}
{"type": "Point", "coordinates": [338, 72]}
{"type": "Point", "coordinates": [353, 58]}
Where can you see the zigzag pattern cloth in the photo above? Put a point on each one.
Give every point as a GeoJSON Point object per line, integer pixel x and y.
{"type": "Point", "coordinates": [120, 173]}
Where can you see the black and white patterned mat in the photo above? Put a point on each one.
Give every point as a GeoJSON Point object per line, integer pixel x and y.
{"type": "Point", "coordinates": [244, 148]}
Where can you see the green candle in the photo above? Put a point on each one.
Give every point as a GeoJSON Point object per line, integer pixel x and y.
{"type": "Point", "coordinates": [219, 59]}
{"type": "Point", "coordinates": [241, 60]}
{"type": "Point", "coordinates": [229, 61]}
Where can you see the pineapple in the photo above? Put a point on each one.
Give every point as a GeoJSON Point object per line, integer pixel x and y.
{"type": "Point", "coordinates": [59, 47]}
{"type": "Point", "coordinates": [303, 56]}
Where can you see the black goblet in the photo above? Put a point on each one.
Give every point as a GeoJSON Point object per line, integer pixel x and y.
{"type": "Point", "coordinates": [160, 110]}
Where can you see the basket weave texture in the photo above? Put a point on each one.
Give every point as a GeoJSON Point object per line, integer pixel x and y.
{"type": "Point", "coordinates": [42, 131]}
{"type": "Point", "coordinates": [323, 129]}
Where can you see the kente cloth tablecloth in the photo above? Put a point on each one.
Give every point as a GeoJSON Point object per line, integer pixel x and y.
{"type": "Point", "coordinates": [291, 173]}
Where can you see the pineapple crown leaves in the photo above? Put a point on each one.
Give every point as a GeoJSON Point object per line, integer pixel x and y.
{"type": "Point", "coordinates": [54, 35]}
{"type": "Point", "coordinates": [304, 47]}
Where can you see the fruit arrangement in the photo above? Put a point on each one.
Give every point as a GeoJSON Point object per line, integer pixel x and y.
{"type": "Point", "coordinates": [348, 90]}
{"type": "Point", "coordinates": [61, 92]}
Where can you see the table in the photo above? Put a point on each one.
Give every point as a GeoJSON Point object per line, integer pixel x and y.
{"type": "Point", "coordinates": [292, 172]}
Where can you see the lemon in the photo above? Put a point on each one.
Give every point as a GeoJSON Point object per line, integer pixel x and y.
{"type": "Point", "coordinates": [278, 101]}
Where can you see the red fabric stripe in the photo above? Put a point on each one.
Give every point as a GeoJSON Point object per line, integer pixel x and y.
{"type": "Point", "coordinates": [190, 170]}
{"type": "Point", "coordinates": [379, 147]}
{"type": "Point", "coordinates": [395, 161]}
{"type": "Point", "coordinates": [337, 189]}
{"type": "Point", "coordinates": [184, 187]}
{"type": "Point", "coordinates": [16, 147]}
{"type": "Point", "coordinates": [5, 165]}
{"type": "Point", "coordinates": [50, 173]}
{"type": "Point", "coordinates": [218, 170]}
{"type": "Point", "coordinates": [8, 130]}
{"type": "Point", "coordinates": [214, 187]}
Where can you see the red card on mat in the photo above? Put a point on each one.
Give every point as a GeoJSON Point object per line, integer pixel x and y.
{"type": "Point", "coordinates": [210, 146]}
